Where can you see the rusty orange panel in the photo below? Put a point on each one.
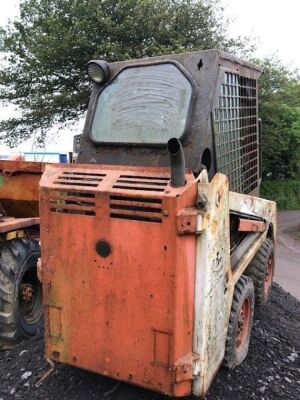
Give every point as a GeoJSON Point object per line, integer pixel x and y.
{"type": "Point", "coordinates": [13, 224]}
{"type": "Point", "coordinates": [251, 225]}
{"type": "Point", "coordinates": [11, 166]}
{"type": "Point", "coordinates": [121, 276]}
{"type": "Point", "coordinates": [19, 187]}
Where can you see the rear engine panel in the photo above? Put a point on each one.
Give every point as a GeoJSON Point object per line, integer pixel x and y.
{"type": "Point", "coordinates": [118, 278]}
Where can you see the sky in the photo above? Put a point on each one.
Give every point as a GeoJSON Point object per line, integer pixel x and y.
{"type": "Point", "coordinates": [274, 23]}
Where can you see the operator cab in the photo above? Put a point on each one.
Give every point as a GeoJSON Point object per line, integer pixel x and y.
{"type": "Point", "coordinates": [206, 99]}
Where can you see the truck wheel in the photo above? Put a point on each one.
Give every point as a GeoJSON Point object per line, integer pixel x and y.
{"type": "Point", "coordinates": [21, 306]}
{"type": "Point", "coordinates": [240, 323]}
{"type": "Point", "coordinates": [261, 270]}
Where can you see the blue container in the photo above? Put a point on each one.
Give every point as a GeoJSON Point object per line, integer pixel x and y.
{"type": "Point", "coordinates": [63, 158]}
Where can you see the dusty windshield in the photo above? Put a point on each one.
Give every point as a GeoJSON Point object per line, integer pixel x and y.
{"type": "Point", "coordinates": [143, 104]}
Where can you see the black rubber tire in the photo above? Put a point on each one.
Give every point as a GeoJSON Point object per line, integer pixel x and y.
{"type": "Point", "coordinates": [18, 266]}
{"type": "Point", "coordinates": [257, 270]}
{"type": "Point", "coordinates": [244, 289]}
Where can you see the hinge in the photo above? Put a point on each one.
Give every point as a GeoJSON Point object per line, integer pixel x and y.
{"type": "Point", "coordinates": [183, 368]}
{"type": "Point", "coordinates": [189, 221]}
{"type": "Point", "coordinates": [186, 368]}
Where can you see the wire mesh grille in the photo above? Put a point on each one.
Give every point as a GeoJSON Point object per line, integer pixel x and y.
{"type": "Point", "coordinates": [236, 137]}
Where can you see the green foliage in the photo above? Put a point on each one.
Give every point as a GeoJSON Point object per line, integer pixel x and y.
{"type": "Point", "coordinates": [48, 47]}
{"type": "Point", "coordinates": [279, 103]}
{"type": "Point", "coordinates": [286, 193]}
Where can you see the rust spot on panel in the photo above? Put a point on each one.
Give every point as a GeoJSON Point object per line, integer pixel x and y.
{"type": "Point", "coordinates": [55, 354]}
{"type": "Point", "coordinates": [187, 221]}
{"type": "Point", "coordinates": [214, 226]}
{"type": "Point", "coordinates": [183, 368]}
{"type": "Point", "coordinates": [54, 318]}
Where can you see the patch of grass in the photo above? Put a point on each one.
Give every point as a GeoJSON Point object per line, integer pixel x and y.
{"type": "Point", "coordinates": [286, 193]}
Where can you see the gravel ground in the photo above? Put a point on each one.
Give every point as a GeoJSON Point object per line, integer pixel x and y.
{"type": "Point", "coordinates": [271, 370]}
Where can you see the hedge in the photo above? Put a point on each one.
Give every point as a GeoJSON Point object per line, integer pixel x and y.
{"type": "Point", "coordinates": [286, 193]}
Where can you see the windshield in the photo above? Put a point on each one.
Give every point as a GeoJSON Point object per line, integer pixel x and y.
{"type": "Point", "coordinates": [143, 104]}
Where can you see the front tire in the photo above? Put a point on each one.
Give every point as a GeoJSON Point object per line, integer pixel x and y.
{"type": "Point", "coordinates": [240, 323]}
{"type": "Point", "coordinates": [21, 306]}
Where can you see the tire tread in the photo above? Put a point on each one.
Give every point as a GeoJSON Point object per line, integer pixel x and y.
{"type": "Point", "coordinates": [243, 285]}
{"type": "Point", "coordinates": [12, 254]}
{"type": "Point", "coordinates": [257, 270]}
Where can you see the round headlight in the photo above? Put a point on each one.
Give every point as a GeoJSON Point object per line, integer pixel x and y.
{"type": "Point", "coordinates": [97, 70]}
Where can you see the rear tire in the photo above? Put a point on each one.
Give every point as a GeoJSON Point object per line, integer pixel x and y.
{"type": "Point", "coordinates": [240, 323]}
{"type": "Point", "coordinates": [261, 270]}
{"type": "Point", "coordinates": [21, 306]}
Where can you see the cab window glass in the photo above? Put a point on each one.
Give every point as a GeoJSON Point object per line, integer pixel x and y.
{"type": "Point", "coordinates": [143, 104]}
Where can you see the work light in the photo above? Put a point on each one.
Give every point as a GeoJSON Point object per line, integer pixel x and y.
{"type": "Point", "coordinates": [97, 70]}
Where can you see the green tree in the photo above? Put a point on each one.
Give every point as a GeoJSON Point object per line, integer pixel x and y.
{"type": "Point", "coordinates": [279, 103]}
{"type": "Point", "coordinates": [48, 46]}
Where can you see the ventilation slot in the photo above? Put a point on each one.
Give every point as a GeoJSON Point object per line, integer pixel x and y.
{"type": "Point", "coordinates": [139, 182]}
{"type": "Point", "coordinates": [73, 203]}
{"type": "Point", "coordinates": [135, 208]}
{"type": "Point", "coordinates": [87, 179]}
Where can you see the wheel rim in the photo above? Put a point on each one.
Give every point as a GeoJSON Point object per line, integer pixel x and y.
{"type": "Point", "coordinates": [30, 297]}
{"type": "Point", "coordinates": [243, 324]}
{"type": "Point", "coordinates": [269, 275]}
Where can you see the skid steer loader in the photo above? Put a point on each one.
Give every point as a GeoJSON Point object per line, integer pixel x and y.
{"type": "Point", "coordinates": [155, 245]}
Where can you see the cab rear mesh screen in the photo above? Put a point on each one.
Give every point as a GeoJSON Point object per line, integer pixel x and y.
{"type": "Point", "coordinates": [236, 132]}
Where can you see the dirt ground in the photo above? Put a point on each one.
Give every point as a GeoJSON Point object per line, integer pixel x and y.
{"type": "Point", "coordinates": [287, 272]}
{"type": "Point", "coordinates": [271, 370]}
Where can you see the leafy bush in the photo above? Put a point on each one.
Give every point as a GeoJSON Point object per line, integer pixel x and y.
{"type": "Point", "coordinates": [286, 193]}
{"type": "Point", "coordinates": [279, 109]}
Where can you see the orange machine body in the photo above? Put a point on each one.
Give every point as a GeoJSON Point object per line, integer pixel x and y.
{"type": "Point", "coordinates": [118, 254]}
{"type": "Point", "coordinates": [19, 187]}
